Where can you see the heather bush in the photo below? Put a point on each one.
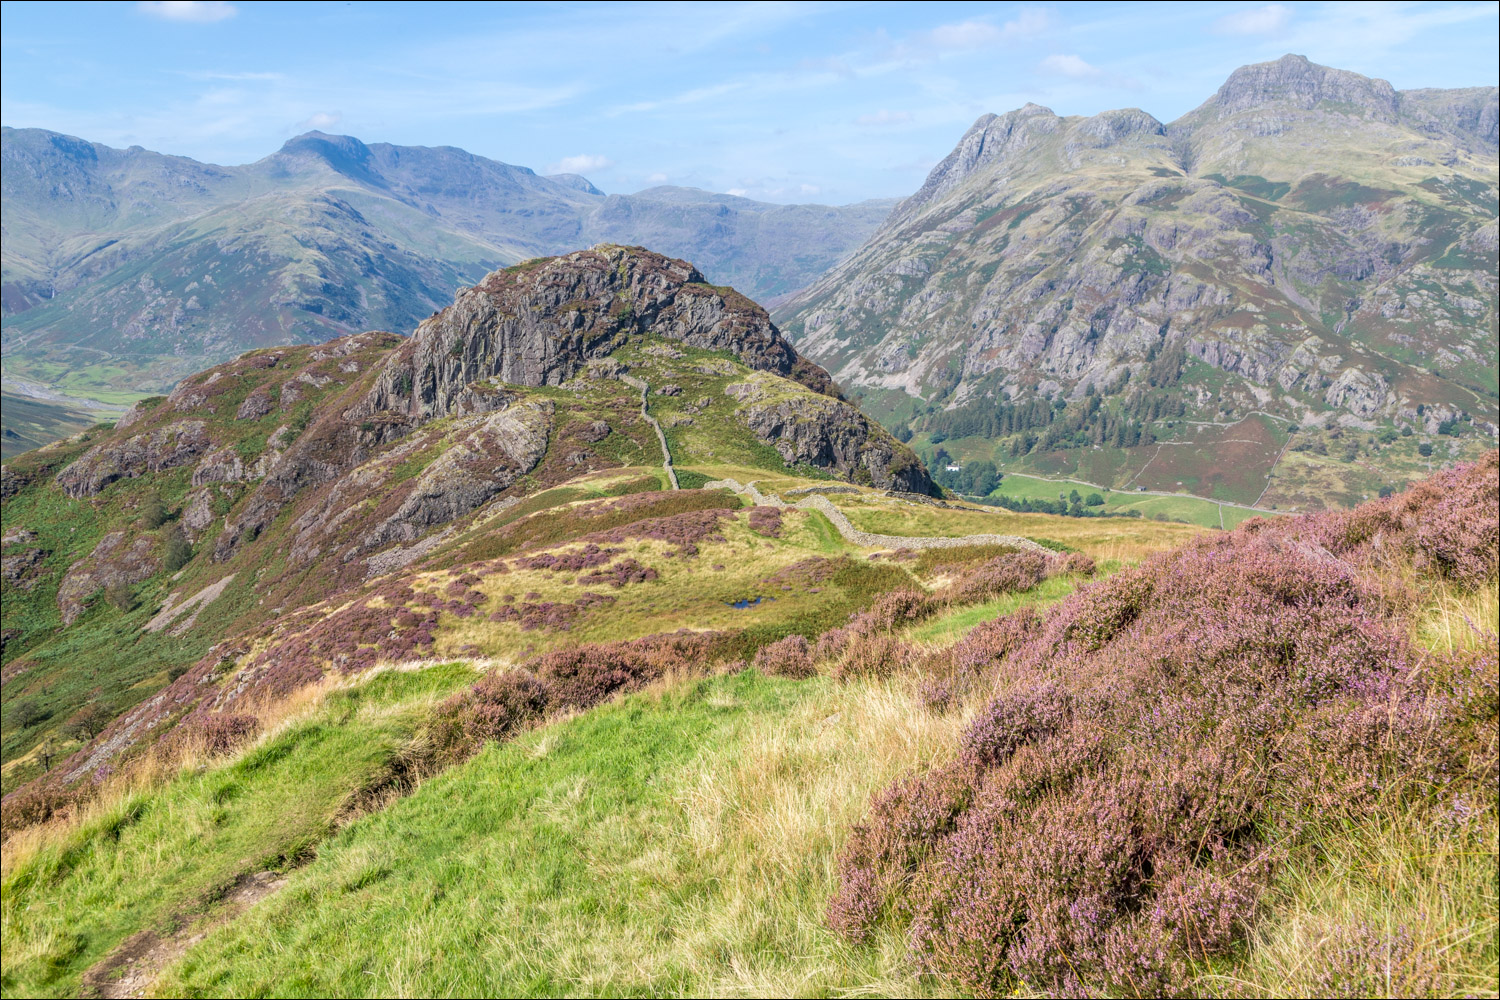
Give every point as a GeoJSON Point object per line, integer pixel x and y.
{"type": "Point", "coordinates": [39, 802]}
{"type": "Point", "coordinates": [585, 675]}
{"type": "Point", "coordinates": [1159, 739]}
{"type": "Point", "coordinates": [872, 656]}
{"type": "Point", "coordinates": [766, 521]}
{"type": "Point", "coordinates": [491, 709]}
{"type": "Point", "coordinates": [1363, 961]}
{"type": "Point", "coordinates": [789, 657]}
{"type": "Point", "coordinates": [212, 734]}
{"type": "Point", "coordinates": [1010, 573]}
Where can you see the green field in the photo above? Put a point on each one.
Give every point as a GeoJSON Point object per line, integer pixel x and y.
{"type": "Point", "coordinates": [1188, 509]}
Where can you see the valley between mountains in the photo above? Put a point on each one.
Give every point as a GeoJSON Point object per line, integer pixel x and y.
{"type": "Point", "coordinates": [1086, 584]}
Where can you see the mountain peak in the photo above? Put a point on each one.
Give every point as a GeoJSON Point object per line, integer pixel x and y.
{"type": "Point", "coordinates": [1298, 81]}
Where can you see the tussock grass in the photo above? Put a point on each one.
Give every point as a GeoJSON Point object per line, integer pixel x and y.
{"type": "Point", "coordinates": [1396, 877]}
{"type": "Point", "coordinates": [680, 842]}
{"type": "Point", "coordinates": [160, 848]}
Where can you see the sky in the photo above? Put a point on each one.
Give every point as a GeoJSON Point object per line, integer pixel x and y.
{"type": "Point", "coordinates": [784, 102]}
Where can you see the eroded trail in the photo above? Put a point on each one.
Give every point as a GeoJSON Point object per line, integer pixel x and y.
{"type": "Point", "coordinates": [867, 539]}
{"type": "Point", "coordinates": [131, 968]}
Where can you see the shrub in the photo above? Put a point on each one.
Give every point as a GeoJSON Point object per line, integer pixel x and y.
{"type": "Point", "coordinates": [25, 712]}
{"type": "Point", "coordinates": [1115, 814]}
{"type": "Point", "coordinates": [789, 657]}
{"type": "Point", "coordinates": [492, 709]}
{"type": "Point", "coordinates": [766, 521]}
{"type": "Point", "coordinates": [152, 513]}
{"type": "Point", "coordinates": [214, 734]}
{"type": "Point", "coordinates": [177, 551]}
{"type": "Point", "coordinates": [38, 803]}
{"type": "Point", "coordinates": [118, 593]}
{"type": "Point", "coordinates": [872, 656]}
{"type": "Point", "coordinates": [87, 722]}
{"type": "Point", "coordinates": [1011, 573]}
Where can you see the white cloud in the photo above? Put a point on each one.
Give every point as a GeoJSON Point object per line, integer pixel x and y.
{"type": "Point", "coordinates": [321, 120]}
{"type": "Point", "coordinates": [810, 189]}
{"type": "Point", "coordinates": [884, 117]}
{"type": "Point", "coordinates": [582, 163]}
{"type": "Point", "coordinates": [737, 192]}
{"type": "Point", "coordinates": [1069, 66]}
{"type": "Point", "coordinates": [974, 34]}
{"type": "Point", "coordinates": [657, 178]}
{"type": "Point", "coordinates": [194, 11]}
{"type": "Point", "coordinates": [1269, 20]}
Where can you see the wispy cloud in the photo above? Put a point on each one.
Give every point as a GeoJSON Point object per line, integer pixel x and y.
{"type": "Point", "coordinates": [884, 117]}
{"type": "Point", "coordinates": [1070, 66]}
{"type": "Point", "coordinates": [976, 34]}
{"type": "Point", "coordinates": [191, 11]}
{"type": "Point", "coordinates": [209, 74]}
{"type": "Point", "coordinates": [1271, 19]}
{"type": "Point", "coordinates": [321, 120]}
{"type": "Point", "coordinates": [582, 163]}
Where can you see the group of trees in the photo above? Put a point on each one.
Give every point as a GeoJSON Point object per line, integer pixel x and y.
{"type": "Point", "coordinates": [1052, 424]}
{"type": "Point", "coordinates": [1072, 505]}
{"type": "Point", "coordinates": [973, 478]}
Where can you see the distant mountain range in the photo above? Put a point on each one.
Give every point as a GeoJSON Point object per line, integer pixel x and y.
{"type": "Point", "coordinates": [1163, 305]}
{"type": "Point", "coordinates": [125, 270]}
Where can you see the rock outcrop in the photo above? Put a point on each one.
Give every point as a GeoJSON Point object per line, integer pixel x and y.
{"type": "Point", "coordinates": [540, 323]}
{"type": "Point", "coordinates": [829, 434]}
{"type": "Point", "coordinates": [167, 447]}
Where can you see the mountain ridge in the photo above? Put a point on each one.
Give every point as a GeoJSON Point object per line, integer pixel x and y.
{"type": "Point", "coordinates": [1298, 245]}
{"type": "Point", "coordinates": [102, 246]}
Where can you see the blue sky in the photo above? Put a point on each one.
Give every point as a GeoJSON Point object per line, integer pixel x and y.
{"type": "Point", "coordinates": [826, 102]}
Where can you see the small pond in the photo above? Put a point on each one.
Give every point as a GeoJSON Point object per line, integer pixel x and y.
{"type": "Point", "coordinates": [748, 602]}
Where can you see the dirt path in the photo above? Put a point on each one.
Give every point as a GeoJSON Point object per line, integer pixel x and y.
{"type": "Point", "coordinates": [868, 539]}
{"type": "Point", "coordinates": [133, 966]}
{"type": "Point", "coordinates": [661, 435]}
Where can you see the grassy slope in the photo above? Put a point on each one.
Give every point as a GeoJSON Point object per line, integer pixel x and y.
{"type": "Point", "coordinates": [29, 423]}
{"type": "Point", "coordinates": [160, 856]}
{"type": "Point", "coordinates": [680, 841]}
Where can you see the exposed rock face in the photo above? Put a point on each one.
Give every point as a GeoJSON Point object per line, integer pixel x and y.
{"type": "Point", "coordinates": [198, 512]}
{"type": "Point", "coordinates": [163, 448]}
{"type": "Point", "coordinates": [114, 560]}
{"type": "Point", "coordinates": [537, 324]}
{"type": "Point", "coordinates": [502, 447]}
{"type": "Point", "coordinates": [540, 324]}
{"type": "Point", "coordinates": [829, 434]}
{"type": "Point", "coordinates": [1322, 238]}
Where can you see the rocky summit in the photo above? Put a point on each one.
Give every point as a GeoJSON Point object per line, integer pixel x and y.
{"type": "Point", "coordinates": [358, 456]}
{"type": "Point", "coordinates": [1310, 248]}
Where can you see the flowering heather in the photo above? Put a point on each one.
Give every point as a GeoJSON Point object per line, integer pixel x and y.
{"type": "Point", "coordinates": [766, 521]}
{"type": "Point", "coordinates": [492, 709]}
{"type": "Point", "coordinates": [1363, 961]}
{"type": "Point", "coordinates": [585, 675]}
{"type": "Point", "coordinates": [588, 557]}
{"type": "Point", "coordinates": [789, 657]}
{"type": "Point", "coordinates": [1116, 812]}
{"type": "Point", "coordinates": [683, 530]}
{"type": "Point", "coordinates": [1010, 573]}
{"type": "Point", "coordinates": [624, 572]}
{"type": "Point", "coordinates": [212, 733]}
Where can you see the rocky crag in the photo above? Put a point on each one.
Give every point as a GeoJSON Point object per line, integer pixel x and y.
{"type": "Point", "coordinates": [292, 476]}
{"type": "Point", "coordinates": [1309, 243]}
